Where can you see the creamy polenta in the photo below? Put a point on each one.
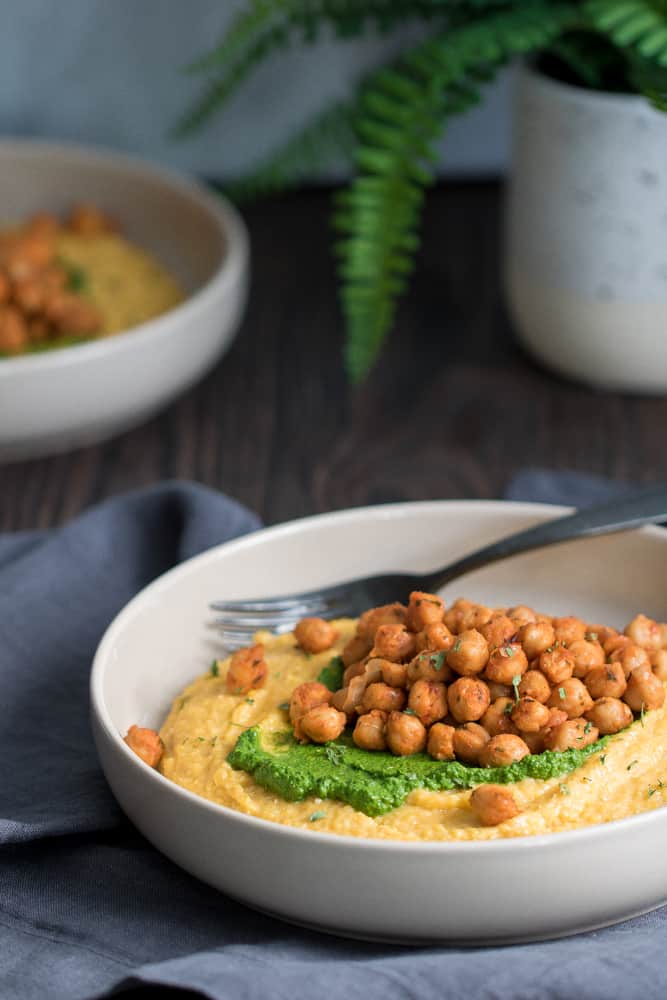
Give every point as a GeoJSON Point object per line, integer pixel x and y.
{"type": "Point", "coordinates": [625, 776]}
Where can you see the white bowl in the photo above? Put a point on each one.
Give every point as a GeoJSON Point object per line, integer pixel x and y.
{"type": "Point", "coordinates": [501, 890]}
{"type": "Point", "coordinates": [72, 396]}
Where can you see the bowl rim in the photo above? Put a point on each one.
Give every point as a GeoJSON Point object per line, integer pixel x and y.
{"type": "Point", "coordinates": [232, 264]}
{"type": "Point", "coordinates": [456, 848]}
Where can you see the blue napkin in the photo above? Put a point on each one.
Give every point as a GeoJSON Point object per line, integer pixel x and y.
{"type": "Point", "coordinates": [87, 906]}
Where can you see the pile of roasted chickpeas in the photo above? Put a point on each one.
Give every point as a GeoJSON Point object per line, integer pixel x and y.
{"type": "Point", "coordinates": [485, 686]}
{"type": "Point", "coordinates": [37, 302]}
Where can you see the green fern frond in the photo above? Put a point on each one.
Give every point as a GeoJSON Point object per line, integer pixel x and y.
{"type": "Point", "coordinates": [402, 111]}
{"type": "Point", "coordinates": [636, 24]}
{"type": "Point", "coordinates": [329, 135]}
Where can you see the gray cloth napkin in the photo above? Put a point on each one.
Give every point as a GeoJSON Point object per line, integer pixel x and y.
{"type": "Point", "coordinates": [88, 907]}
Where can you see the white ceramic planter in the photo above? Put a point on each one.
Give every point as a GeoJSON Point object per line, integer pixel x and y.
{"type": "Point", "coordinates": [586, 234]}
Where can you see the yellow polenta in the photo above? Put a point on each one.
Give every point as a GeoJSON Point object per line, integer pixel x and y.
{"type": "Point", "coordinates": [127, 284]}
{"type": "Point", "coordinates": [625, 778]}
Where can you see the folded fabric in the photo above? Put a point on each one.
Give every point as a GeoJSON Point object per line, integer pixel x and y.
{"type": "Point", "coordinates": [87, 906]}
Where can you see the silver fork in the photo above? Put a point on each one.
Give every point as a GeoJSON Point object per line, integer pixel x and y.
{"type": "Point", "coordinates": [240, 619]}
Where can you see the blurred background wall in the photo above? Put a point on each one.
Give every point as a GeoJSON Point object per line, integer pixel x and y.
{"type": "Point", "coordinates": [111, 72]}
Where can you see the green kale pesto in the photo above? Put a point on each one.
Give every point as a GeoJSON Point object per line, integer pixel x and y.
{"type": "Point", "coordinates": [376, 782]}
{"type": "Point", "coordinates": [332, 675]}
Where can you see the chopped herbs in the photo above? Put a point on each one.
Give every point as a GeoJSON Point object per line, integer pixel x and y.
{"type": "Point", "coordinates": [457, 646]}
{"type": "Point", "coordinates": [508, 651]}
{"type": "Point", "coordinates": [631, 765]}
{"type": "Point", "coordinates": [320, 814]}
{"type": "Point", "coordinates": [564, 790]}
{"type": "Point", "coordinates": [516, 680]}
{"type": "Point", "coordinates": [561, 694]}
{"type": "Point", "coordinates": [603, 758]}
{"type": "Point", "coordinates": [215, 668]}
{"type": "Point", "coordinates": [409, 711]}
{"type": "Point", "coordinates": [587, 728]}
{"type": "Point", "coordinates": [250, 701]}
{"type": "Point", "coordinates": [589, 781]}
{"type": "Point", "coordinates": [214, 741]}
{"type": "Point", "coordinates": [201, 739]}
{"type": "Point", "coordinates": [509, 708]}
{"type": "Point", "coordinates": [642, 714]}
{"type": "Point", "coordinates": [437, 660]}
{"type": "Point", "coordinates": [283, 706]}
{"type": "Point", "coordinates": [334, 753]}
{"type": "Point", "coordinates": [591, 636]}
{"type": "Point", "coordinates": [652, 789]}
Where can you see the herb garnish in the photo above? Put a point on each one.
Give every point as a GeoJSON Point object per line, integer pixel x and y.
{"type": "Point", "coordinates": [409, 711]}
{"type": "Point", "coordinates": [631, 765]}
{"type": "Point", "coordinates": [334, 753]}
{"type": "Point", "coordinates": [564, 790]}
{"type": "Point", "coordinates": [283, 706]}
{"type": "Point", "coordinates": [652, 789]}
{"type": "Point", "coordinates": [587, 728]}
{"type": "Point", "coordinates": [642, 714]}
{"type": "Point", "coordinates": [516, 680]}
{"type": "Point", "coordinates": [561, 693]}
{"type": "Point", "coordinates": [603, 758]}
{"type": "Point", "coordinates": [215, 669]}
{"type": "Point", "coordinates": [591, 636]}
{"type": "Point", "coordinates": [457, 646]}
{"type": "Point", "coordinates": [437, 660]}
{"type": "Point", "coordinates": [320, 814]}
{"type": "Point", "coordinates": [249, 701]}
{"type": "Point", "coordinates": [508, 651]}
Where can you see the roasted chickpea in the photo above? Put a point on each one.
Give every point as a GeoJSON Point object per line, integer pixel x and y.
{"type": "Point", "coordinates": [322, 724]}
{"type": "Point", "coordinates": [354, 670]}
{"type": "Point", "coordinates": [355, 650]}
{"type": "Point", "coordinates": [493, 804]}
{"type": "Point", "coordinates": [436, 636]}
{"type": "Point", "coordinates": [43, 224]}
{"type": "Point", "coordinates": [387, 614]}
{"type": "Point", "coordinates": [88, 220]}
{"type": "Point", "coordinates": [534, 741]}
{"type": "Point", "coordinates": [475, 616]}
{"type": "Point", "coordinates": [607, 681]}
{"type": "Point", "coordinates": [587, 655]}
{"type": "Point", "coordinates": [557, 664]}
{"type": "Point", "coordinates": [499, 631]}
{"type": "Point", "coordinates": [469, 740]}
{"type": "Point", "coordinates": [609, 715]}
{"type": "Point", "coordinates": [247, 669]}
{"type": "Point", "coordinates": [506, 663]}
{"type": "Point", "coordinates": [341, 700]}
{"type": "Point", "coordinates": [662, 629]}
{"type": "Point", "coordinates": [431, 665]}
{"type": "Point", "coordinates": [469, 654]}
{"type": "Point", "coordinates": [468, 699]}
{"type": "Point", "coordinates": [306, 696]}
{"type": "Point", "coordinates": [644, 691]}
{"type": "Point", "coordinates": [441, 742]}
{"type": "Point", "coordinates": [70, 313]}
{"type": "Point", "coordinates": [569, 629]}
{"type": "Point", "coordinates": [534, 685]}
{"type": "Point", "coordinates": [615, 641]}
{"type": "Point", "coordinates": [496, 719]}
{"type": "Point", "coordinates": [146, 744]}
{"type": "Point", "coordinates": [530, 715]}
{"type": "Point", "coordinates": [454, 614]}
{"type": "Point", "coordinates": [5, 288]}
{"type": "Point", "coordinates": [428, 699]}
{"type": "Point", "coordinates": [645, 632]}
{"type": "Point", "coordinates": [600, 633]}
{"type": "Point", "coordinates": [405, 734]}
{"type": "Point", "coordinates": [571, 696]}
{"type": "Point", "coordinates": [424, 609]}
{"type": "Point", "coordinates": [631, 657]}
{"type": "Point", "coordinates": [393, 674]}
{"type": "Point", "coordinates": [383, 697]}
{"type": "Point", "coordinates": [314, 635]}
{"type": "Point", "coordinates": [497, 690]}
{"type": "Point", "coordinates": [556, 716]}
{"type": "Point", "coordinates": [658, 659]}
{"type": "Point", "coordinates": [13, 330]}
{"type": "Point", "coordinates": [369, 731]}
{"type": "Point", "coordinates": [571, 734]}
{"type": "Point", "coordinates": [394, 642]}
{"type": "Point", "coordinates": [535, 637]}
{"type": "Point", "coordinates": [522, 614]}
{"type": "Point", "coordinates": [503, 750]}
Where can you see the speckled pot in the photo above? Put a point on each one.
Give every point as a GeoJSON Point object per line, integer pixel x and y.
{"type": "Point", "coordinates": [586, 234]}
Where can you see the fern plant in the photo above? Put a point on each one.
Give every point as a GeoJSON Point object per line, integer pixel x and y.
{"type": "Point", "coordinates": [390, 126]}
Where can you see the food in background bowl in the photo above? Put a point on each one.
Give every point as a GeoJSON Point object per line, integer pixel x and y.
{"type": "Point", "coordinates": [427, 723]}
{"type": "Point", "coordinates": [62, 282]}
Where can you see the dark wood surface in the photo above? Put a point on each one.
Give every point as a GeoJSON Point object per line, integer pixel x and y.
{"type": "Point", "coordinates": [452, 410]}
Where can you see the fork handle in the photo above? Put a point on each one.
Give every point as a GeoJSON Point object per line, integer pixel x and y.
{"type": "Point", "coordinates": [630, 512]}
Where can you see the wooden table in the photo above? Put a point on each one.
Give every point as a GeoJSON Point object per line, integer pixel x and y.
{"type": "Point", "coordinates": [452, 410]}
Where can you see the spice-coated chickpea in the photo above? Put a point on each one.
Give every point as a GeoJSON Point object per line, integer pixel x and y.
{"type": "Point", "coordinates": [394, 642]}
{"type": "Point", "coordinates": [428, 699]}
{"type": "Point", "coordinates": [529, 715]}
{"type": "Point", "coordinates": [607, 681]}
{"type": "Point", "coordinates": [568, 629]}
{"type": "Point", "coordinates": [424, 609]}
{"type": "Point", "coordinates": [355, 650]}
{"type": "Point", "coordinates": [13, 330]}
{"type": "Point", "coordinates": [383, 697]}
{"type": "Point", "coordinates": [587, 655]}
{"type": "Point", "coordinates": [609, 715]}
{"type": "Point", "coordinates": [393, 674]}
{"type": "Point", "coordinates": [405, 734]}
{"type": "Point", "coordinates": [71, 314]}
{"type": "Point", "coordinates": [631, 657]}
{"type": "Point", "coordinates": [429, 665]}
{"type": "Point", "coordinates": [644, 691]}
{"type": "Point", "coordinates": [534, 684]}
{"type": "Point", "coordinates": [314, 635]}
{"type": "Point", "coordinates": [600, 633]}
{"type": "Point", "coordinates": [322, 724]}
{"type": "Point", "coordinates": [521, 614]}
{"type": "Point", "coordinates": [469, 741]}
{"type": "Point", "coordinates": [5, 288]}
{"type": "Point", "coordinates": [436, 636]}
{"type": "Point", "coordinates": [469, 654]}
{"type": "Point", "coordinates": [468, 699]}
{"type": "Point", "coordinates": [496, 719]}
{"type": "Point", "coordinates": [146, 744]}
{"type": "Point", "coordinates": [369, 732]}
{"type": "Point", "coordinates": [534, 741]}
{"type": "Point", "coordinates": [387, 614]}
{"type": "Point", "coordinates": [506, 663]}
{"type": "Point", "coordinates": [573, 734]}
{"type": "Point", "coordinates": [354, 670]}
{"type": "Point", "coordinates": [497, 690]}
{"type": "Point", "coordinates": [476, 616]}
{"type": "Point", "coordinates": [557, 664]}
{"type": "Point", "coordinates": [614, 642]}
{"type": "Point", "coordinates": [535, 637]}
{"type": "Point", "coordinates": [441, 741]}
{"type": "Point", "coordinates": [498, 631]}
{"type": "Point", "coordinates": [43, 224]}
{"type": "Point", "coordinates": [306, 696]}
{"type": "Point", "coordinates": [454, 614]}
{"type": "Point", "coordinates": [503, 750]}
{"type": "Point", "coordinates": [658, 659]}
{"type": "Point", "coordinates": [645, 632]}
{"type": "Point", "coordinates": [493, 804]}
{"type": "Point", "coordinates": [247, 669]}
{"type": "Point", "coordinates": [571, 696]}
